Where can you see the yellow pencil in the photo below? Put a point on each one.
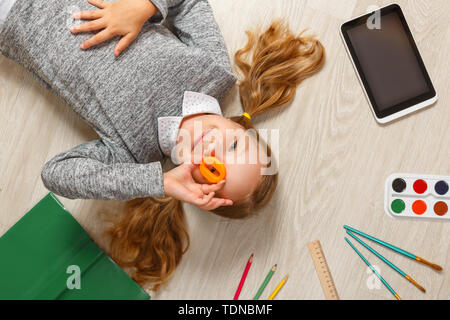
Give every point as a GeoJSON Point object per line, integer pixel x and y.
{"type": "Point", "coordinates": [278, 288]}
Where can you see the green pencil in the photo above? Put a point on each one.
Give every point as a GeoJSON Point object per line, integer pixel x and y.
{"type": "Point", "coordinates": [266, 281]}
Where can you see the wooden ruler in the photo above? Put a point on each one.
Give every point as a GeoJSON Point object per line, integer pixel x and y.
{"type": "Point", "coordinates": [326, 280]}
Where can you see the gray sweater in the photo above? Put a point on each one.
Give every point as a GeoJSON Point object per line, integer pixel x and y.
{"type": "Point", "coordinates": [178, 49]}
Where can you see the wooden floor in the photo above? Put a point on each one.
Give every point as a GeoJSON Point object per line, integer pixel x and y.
{"type": "Point", "coordinates": [334, 159]}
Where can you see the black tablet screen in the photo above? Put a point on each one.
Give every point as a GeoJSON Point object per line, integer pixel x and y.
{"type": "Point", "coordinates": [389, 61]}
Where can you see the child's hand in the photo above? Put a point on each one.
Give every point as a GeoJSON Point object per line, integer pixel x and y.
{"type": "Point", "coordinates": [179, 184]}
{"type": "Point", "coordinates": [121, 18]}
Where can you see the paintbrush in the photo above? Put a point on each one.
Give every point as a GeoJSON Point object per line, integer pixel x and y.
{"type": "Point", "coordinates": [393, 266]}
{"type": "Point", "coordinates": [401, 251]}
{"type": "Point", "coordinates": [374, 271]}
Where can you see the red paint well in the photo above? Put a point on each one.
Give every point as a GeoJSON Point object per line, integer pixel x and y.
{"type": "Point", "coordinates": [420, 186]}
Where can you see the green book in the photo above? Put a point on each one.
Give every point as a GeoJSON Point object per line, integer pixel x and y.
{"type": "Point", "coordinates": [47, 255]}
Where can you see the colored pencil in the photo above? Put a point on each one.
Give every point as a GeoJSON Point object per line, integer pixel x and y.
{"type": "Point", "coordinates": [396, 249]}
{"type": "Point", "coordinates": [393, 266]}
{"type": "Point", "coordinates": [244, 275]}
{"type": "Point", "coordinates": [374, 271]}
{"type": "Point", "coordinates": [274, 293]}
{"type": "Point", "coordinates": [265, 282]}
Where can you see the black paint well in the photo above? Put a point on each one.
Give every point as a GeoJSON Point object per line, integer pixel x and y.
{"type": "Point", "coordinates": [399, 185]}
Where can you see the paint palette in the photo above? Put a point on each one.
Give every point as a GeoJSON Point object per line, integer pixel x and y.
{"type": "Point", "coordinates": [417, 196]}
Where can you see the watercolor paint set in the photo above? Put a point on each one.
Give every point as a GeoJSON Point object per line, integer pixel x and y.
{"type": "Point", "coordinates": [417, 196]}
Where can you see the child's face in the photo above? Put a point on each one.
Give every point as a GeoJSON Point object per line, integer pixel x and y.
{"type": "Point", "coordinates": [230, 143]}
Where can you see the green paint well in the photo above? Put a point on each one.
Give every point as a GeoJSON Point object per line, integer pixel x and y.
{"type": "Point", "coordinates": [398, 206]}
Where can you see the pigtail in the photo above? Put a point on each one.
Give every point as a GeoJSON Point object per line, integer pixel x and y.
{"type": "Point", "coordinates": [150, 237]}
{"type": "Point", "coordinates": [273, 64]}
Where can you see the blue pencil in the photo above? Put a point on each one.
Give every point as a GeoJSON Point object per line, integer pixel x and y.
{"type": "Point", "coordinates": [393, 266]}
{"type": "Point", "coordinates": [374, 271]}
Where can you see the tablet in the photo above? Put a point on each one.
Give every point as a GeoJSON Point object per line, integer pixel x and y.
{"type": "Point", "coordinates": [388, 63]}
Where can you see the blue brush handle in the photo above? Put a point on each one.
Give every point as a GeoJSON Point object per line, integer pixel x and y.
{"type": "Point", "coordinates": [390, 246]}
{"type": "Point", "coordinates": [390, 264]}
{"type": "Point", "coordinates": [372, 268]}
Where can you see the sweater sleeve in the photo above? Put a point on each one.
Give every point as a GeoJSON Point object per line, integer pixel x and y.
{"type": "Point", "coordinates": [102, 170]}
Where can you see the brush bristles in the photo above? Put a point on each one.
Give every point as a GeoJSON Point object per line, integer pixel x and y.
{"type": "Point", "coordinates": [428, 263]}
{"type": "Point", "coordinates": [436, 267]}
{"type": "Point", "coordinates": [415, 283]}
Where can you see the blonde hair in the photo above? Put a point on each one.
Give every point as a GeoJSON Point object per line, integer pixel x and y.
{"type": "Point", "coordinates": [151, 236]}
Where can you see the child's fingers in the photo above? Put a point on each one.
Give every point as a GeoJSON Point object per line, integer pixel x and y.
{"type": "Point", "coordinates": [89, 26]}
{"type": "Point", "coordinates": [124, 42]}
{"type": "Point", "coordinates": [98, 3]}
{"type": "Point", "coordinates": [200, 202]}
{"type": "Point", "coordinates": [206, 188]}
{"type": "Point", "coordinates": [228, 202]}
{"type": "Point", "coordinates": [216, 203]}
{"type": "Point", "coordinates": [98, 38]}
{"type": "Point", "coordinates": [88, 15]}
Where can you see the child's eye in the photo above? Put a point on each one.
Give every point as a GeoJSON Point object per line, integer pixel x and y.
{"type": "Point", "coordinates": [234, 145]}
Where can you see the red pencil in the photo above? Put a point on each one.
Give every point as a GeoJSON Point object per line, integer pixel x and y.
{"type": "Point", "coordinates": [241, 284]}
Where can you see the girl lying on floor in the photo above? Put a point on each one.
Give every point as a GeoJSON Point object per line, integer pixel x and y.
{"type": "Point", "coordinates": [165, 75]}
